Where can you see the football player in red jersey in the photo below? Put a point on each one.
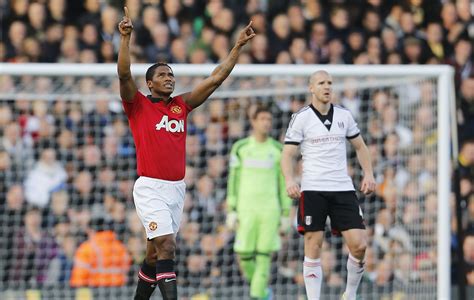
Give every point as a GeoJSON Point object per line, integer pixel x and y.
{"type": "Point", "coordinates": [158, 125]}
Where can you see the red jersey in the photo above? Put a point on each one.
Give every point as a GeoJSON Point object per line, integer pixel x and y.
{"type": "Point", "coordinates": [159, 132]}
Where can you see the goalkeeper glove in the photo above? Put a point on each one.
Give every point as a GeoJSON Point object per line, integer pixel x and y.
{"type": "Point", "coordinates": [285, 223]}
{"type": "Point", "coordinates": [231, 220]}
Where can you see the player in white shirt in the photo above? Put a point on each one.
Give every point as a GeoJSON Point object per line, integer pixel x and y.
{"type": "Point", "coordinates": [320, 131]}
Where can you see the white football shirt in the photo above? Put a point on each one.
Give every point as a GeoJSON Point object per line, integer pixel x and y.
{"type": "Point", "coordinates": [322, 140]}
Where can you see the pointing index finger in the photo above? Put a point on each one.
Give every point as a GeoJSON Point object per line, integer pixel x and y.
{"type": "Point", "coordinates": [125, 9]}
{"type": "Point", "coordinates": [249, 25]}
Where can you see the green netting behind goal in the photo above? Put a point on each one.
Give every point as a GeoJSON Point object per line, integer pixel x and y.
{"type": "Point", "coordinates": [67, 157]}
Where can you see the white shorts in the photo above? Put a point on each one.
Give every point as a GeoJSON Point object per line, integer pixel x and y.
{"type": "Point", "coordinates": [159, 205]}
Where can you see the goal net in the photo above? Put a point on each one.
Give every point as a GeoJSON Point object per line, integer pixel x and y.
{"type": "Point", "coordinates": [67, 159]}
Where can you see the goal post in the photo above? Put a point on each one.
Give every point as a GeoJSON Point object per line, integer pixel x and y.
{"type": "Point", "coordinates": [368, 79]}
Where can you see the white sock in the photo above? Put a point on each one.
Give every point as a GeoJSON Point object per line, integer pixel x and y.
{"type": "Point", "coordinates": [355, 270]}
{"type": "Point", "coordinates": [313, 277]}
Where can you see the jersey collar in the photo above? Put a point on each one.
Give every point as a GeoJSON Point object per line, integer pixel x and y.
{"type": "Point", "coordinates": [325, 119]}
{"type": "Point", "coordinates": [157, 99]}
{"type": "Point", "coordinates": [254, 140]}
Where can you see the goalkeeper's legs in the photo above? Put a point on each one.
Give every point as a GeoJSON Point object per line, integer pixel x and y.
{"type": "Point", "coordinates": [312, 271]}
{"type": "Point", "coordinates": [147, 274]}
{"type": "Point", "coordinates": [259, 282]}
{"type": "Point", "coordinates": [247, 264]}
{"type": "Point", "coordinates": [356, 242]}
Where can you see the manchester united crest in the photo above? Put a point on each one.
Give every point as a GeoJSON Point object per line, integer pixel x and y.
{"type": "Point", "coordinates": [153, 226]}
{"type": "Point", "coordinates": [176, 109]}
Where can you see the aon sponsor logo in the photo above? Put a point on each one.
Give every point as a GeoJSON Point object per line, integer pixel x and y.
{"type": "Point", "coordinates": [171, 126]}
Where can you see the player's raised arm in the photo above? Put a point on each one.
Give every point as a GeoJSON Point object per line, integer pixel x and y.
{"type": "Point", "coordinates": [128, 87]}
{"type": "Point", "coordinates": [205, 88]}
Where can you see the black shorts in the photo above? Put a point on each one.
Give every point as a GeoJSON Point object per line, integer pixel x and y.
{"type": "Point", "coordinates": [342, 208]}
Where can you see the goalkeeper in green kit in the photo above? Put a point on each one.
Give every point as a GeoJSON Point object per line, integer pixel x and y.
{"type": "Point", "coordinates": [257, 203]}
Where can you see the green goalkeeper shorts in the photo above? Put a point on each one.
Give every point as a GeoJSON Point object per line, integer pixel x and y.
{"type": "Point", "coordinates": [257, 232]}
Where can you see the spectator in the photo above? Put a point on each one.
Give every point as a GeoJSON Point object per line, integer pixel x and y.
{"type": "Point", "coordinates": [50, 47]}
{"type": "Point", "coordinates": [214, 140]}
{"type": "Point", "coordinates": [436, 44]}
{"type": "Point", "coordinates": [199, 56]}
{"type": "Point", "coordinates": [109, 33]}
{"type": "Point", "coordinates": [66, 154]}
{"type": "Point", "coordinates": [452, 28]}
{"type": "Point", "coordinates": [296, 20]}
{"type": "Point", "coordinates": [355, 45]}
{"type": "Point", "coordinates": [102, 260]}
{"type": "Point", "coordinates": [150, 16]}
{"type": "Point", "coordinates": [179, 53]}
{"type": "Point", "coordinates": [391, 123]}
{"type": "Point", "coordinates": [259, 22]}
{"type": "Point", "coordinates": [220, 48]}
{"type": "Point", "coordinates": [297, 50]}
{"type": "Point", "coordinates": [339, 23]}
{"type": "Point", "coordinates": [69, 51]}
{"type": "Point", "coordinates": [57, 11]}
{"type": "Point", "coordinates": [328, 264]}
{"type": "Point", "coordinates": [384, 272]}
{"type": "Point", "coordinates": [89, 38]}
{"type": "Point", "coordinates": [374, 50]}
{"type": "Point", "coordinates": [159, 50]}
{"type": "Point", "coordinates": [30, 252]}
{"type": "Point", "coordinates": [462, 61]}
{"type": "Point", "coordinates": [393, 19]}
{"type": "Point", "coordinates": [408, 26]}
{"type": "Point", "coordinates": [172, 10]}
{"type": "Point", "coordinates": [336, 51]}
{"type": "Point", "coordinates": [318, 41]}
{"type": "Point", "coordinates": [259, 50]}
{"type": "Point", "coordinates": [46, 176]}
{"type": "Point", "coordinates": [11, 215]}
{"type": "Point", "coordinates": [466, 159]}
{"type": "Point", "coordinates": [20, 152]}
{"type": "Point", "coordinates": [370, 265]}
{"type": "Point", "coordinates": [92, 13]}
{"type": "Point", "coordinates": [58, 209]}
{"type": "Point", "coordinates": [390, 40]}
{"type": "Point", "coordinates": [371, 22]}
{"type": "Point", "coordinates": [59, 269]}
{"type": "Point", "coordinates": [466, 105]}
{"type": "Point", "coordinates": [81, 190]}
{"type": "Point", "coordinates": [36, 19]}
{"type": "Point", "coordinates": [206, 202]}
{"type": "Point", "coordinates": [223, 21]}
{"type": "Point", "coordinates": [403, 272]}
{"type": "Point", "coordinates": [107, 52]}
{"type": "Point", "coordinates": [279, 37]}
{"type": "Point", "coordinates": [412, 51]}
{"type": "Point", "coordinates": [16, 34]}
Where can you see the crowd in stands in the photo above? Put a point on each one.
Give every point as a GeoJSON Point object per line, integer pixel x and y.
{"type": "Point", "coordinates": [66, 164]}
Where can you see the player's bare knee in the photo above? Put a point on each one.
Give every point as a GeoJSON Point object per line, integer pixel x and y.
{"type": "Point", "coordinates": [358, 250]}
{"type": "Point", "coordinates": [167, 249]}
{"type": "Point", "coordinates": [151, 258]}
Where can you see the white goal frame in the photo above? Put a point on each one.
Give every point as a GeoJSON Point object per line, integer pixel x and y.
{"type": "Point", "coordinates": [446, 135]}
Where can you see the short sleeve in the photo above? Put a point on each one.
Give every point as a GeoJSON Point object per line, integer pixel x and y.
{"type": "Point", "coordinates": [130, 107]}
{"type": "Point", "coordinates": [294, 133]}
{"type": "Point", "coordinates": [352, 130]}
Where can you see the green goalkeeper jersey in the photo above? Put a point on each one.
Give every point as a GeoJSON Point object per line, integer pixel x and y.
{"type": "Point", "coordinates": [255, 181]}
